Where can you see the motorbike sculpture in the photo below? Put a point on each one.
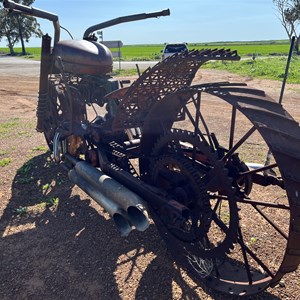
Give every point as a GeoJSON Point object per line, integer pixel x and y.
{"type": "Point", "coordinates": [191, 156]}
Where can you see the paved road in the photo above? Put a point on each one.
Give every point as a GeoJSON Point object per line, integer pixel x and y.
{"type": "Point", "coordinates": [25, 67]}
{"type": "Point", "coordinates": [18, 66]}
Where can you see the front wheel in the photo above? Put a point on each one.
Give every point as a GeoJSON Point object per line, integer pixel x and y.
{"type": "Point", "coordinates": [62, 116]}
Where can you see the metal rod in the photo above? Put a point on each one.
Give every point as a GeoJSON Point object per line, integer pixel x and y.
{"type": "Point", "coordinates": [247, 266]}
{"type": "Point", "coordinates": [239, 143]}
{"type": "Point", "coordinates": [232, 127]}
{"type": "Point", "coordinates": [252, 202]}
{"type": "Point", "coordinates": [124, 19]}
{"type": "Point", "coordinates": [194, 123]}
{"type": "Point", "coordinates": [226, 229]}
{"type": "Point", "coordinates": [267, 167]}
{"type": "Point", "coordinates": [255, 257]}
{"type": "Point", "coordinates": [197, 106]}
{"type": "Point", "coordinates": [138, 70]}
{"type": "Point", "coordinates": [271, 223]}
{"type": "Point", "coordinates": [287, 69]}
{"type": "Point", "coordinates": [43, 84]}
{"type": "Point", "coordinates": [28, 10]}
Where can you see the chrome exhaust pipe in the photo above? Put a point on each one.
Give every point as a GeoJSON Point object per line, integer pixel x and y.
{"type": "Point", "coordinates": [124, 198]}
{"type": "Point", "coordinates": [116, 212]}
{"type": "Point", "coordinates": [118, 193]}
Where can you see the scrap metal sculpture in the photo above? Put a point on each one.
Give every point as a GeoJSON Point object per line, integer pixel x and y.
{"type": "Point", "coordinates": [190, 156]}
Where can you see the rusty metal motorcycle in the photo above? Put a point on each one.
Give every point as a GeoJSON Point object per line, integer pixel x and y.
{"type": "Point", "coordinates": [188, 156]}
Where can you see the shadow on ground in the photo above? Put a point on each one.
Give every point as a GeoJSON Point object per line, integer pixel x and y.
{"type": "Point", "coordinates": [56, 245]}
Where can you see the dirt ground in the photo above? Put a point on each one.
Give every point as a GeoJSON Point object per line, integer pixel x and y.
{"type": "Point", "coordinates": [56, 243]}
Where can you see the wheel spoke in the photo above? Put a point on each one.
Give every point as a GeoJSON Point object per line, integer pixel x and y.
{"type": "Point", "coordinates": [232, 127]}
{"type": "Point", "coordinates": [242, 244]}
{"type": "Point", "coordinates": [239, 143]}
{"type": "Point", "coordinates": [206, 239]}
{"type": "Point", "coordinates": [247, 267]}
{"type": "Point", "coordinates": [268, 167]}
{"type": "Point", "coordinates": [220, 223]}
{"type": "Point", "coordinates": [265, 204]}
{"type": "Point", "coordinates": [271, 223]}
{"type": "Point", "coordinates": [197, 104]}
{"type": "Point", "coordinates": [217, 205]}
{"type": "Point", "coordinates": [196, 129]}
{"type": "Point", "coordinates": [255, 257]}
{"type": "Point", "coordinates": [254, 202]}
{"type": "Point", "coordinates": [194, 124]}
{"type": "Point", "coordinates": [199, 117]}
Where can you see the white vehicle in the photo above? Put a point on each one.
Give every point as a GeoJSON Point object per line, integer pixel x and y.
{"type": "Point", "coordinates": [171, 49]}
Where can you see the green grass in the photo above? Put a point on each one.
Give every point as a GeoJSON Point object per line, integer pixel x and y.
{"type": "Point", "coordinates": [40, 148]}
{"type": "Point", "coordinates": [54, 201]}
{"type": "Point", "coordinates": [5, 161]}
{"type": "Point", "coordinates": [3, 152]}
{"type": "Point", "coordinates": [125, 72]}
{"type": "Point", "coordinates": [268, 68]}
{"type": "Point", "coordinates": [8, 127]}
{"type": "Point", "coordinates": [38, 208]}
{"type": "Point", "coordinates": [32, 52]}
{"type": "Point", "coordinates": [16, 128]}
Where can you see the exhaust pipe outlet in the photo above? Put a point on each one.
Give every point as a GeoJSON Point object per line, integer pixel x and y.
{"type": "Point", "coordinates": [118, 193]}
{"type": "Point", "coordinates": [254, 166]}
{"type": "Point", "coordinates": [115, 211]}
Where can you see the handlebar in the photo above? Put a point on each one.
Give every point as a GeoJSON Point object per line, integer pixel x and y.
{"type": "Point", "coordinates": [28, 10]}
{"type": "Point", "coordinates": [130, 18]}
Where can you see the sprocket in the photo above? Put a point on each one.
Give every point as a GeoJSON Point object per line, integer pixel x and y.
{"type": "Point", "coordinates": [183, 184]}
{"type": "Point", "coordinates": [207, 176]}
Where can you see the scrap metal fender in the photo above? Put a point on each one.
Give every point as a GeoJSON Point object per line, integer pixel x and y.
{"type": "Point", "coordinates": [162, 116]}
{"type": "Point", "coordinates": [159, 119]}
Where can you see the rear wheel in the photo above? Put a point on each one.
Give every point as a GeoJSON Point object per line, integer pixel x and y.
{"type": "Point", "coordinates": [251, 238]}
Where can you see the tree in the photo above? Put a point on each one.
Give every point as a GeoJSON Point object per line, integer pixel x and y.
{"type": "Point", "coordinates": [17, 27]}
{"type": "Point", "coordinates": [289, 16]}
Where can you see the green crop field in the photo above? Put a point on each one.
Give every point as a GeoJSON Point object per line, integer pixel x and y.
{"type": "Point", "coordinates": [153, 52]}
{"type": "Point", "coordinates": [269, 61]}
{"type": "Point", "coordinates": [32, 52]}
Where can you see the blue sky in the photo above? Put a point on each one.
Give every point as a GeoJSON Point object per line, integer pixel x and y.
{"type": "Point", "coordinates": [190, 20]}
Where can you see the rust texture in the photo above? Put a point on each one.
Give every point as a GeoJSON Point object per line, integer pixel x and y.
{"type": "Point", "coordinates": [168, 76]}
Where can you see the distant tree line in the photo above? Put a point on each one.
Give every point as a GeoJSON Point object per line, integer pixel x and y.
{"type": "Point", "coordinates": [16, 27]}
{"type": "Point", "coordinates": [289, 16]}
